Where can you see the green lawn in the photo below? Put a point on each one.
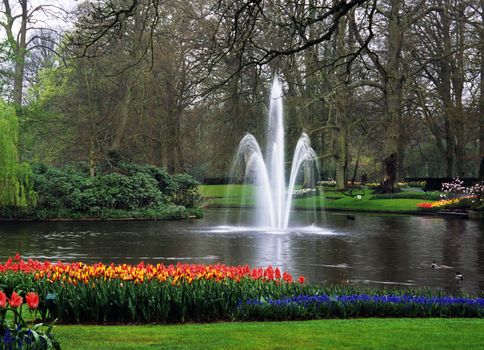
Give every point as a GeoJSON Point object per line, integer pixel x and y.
{"type": "Point", "coordinates": [234, 195]}
{"type": "Point", "coordinates": [425, 334]}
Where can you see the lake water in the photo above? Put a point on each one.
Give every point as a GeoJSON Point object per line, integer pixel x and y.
{"type": "Point", "coordinates": [371, 250]}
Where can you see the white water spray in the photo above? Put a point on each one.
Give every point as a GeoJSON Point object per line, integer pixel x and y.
{"type": "Point", "coordinates": [273, 201]}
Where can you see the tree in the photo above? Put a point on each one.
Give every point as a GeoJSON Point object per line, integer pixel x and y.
{"type": "Point", "coordinates": [481, 94]}
{"type": "Point", "coordinates": [15, 186]}
{"type": "Point", "coordinates": [16, 26]}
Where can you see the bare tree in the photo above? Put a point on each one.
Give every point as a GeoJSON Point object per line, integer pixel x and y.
{"type": "Point", "coordinates": [20, 18]}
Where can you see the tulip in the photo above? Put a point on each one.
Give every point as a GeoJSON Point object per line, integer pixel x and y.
{"type": "Point", "coordinates": [301, 279]}
{"type": "Point", "coordinates": [3, 299]}
{"type": "Point", "coordinates": [15, 300]}
{"type": "Point", "coordinates": [32, 299]}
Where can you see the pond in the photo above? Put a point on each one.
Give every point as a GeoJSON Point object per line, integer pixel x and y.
{"type": "Point", "coordinates": [363, 249]}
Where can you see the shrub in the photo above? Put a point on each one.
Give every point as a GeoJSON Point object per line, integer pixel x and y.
{"type": "Point", "coordinates": [186, 191]}
{"type": "Point", "coordinates": [70, 192]}
{"type": "Point", "coordinates": [431, 196]}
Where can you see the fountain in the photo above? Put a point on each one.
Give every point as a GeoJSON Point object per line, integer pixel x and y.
{"type": "Point", "coordinates": [273, 199]}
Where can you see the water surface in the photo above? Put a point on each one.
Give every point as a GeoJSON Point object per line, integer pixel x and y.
{"type": "Point", "coordinates": [371, 250]}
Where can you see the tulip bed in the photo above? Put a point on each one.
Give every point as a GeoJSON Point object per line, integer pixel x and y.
{"type": "Point", "coordinates": [146, 293]}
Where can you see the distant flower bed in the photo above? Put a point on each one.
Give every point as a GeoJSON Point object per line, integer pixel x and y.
{"type": "Point", "coordinates": [451, 203]}
{"type": "Point", "coordinates": [304, 192]}
{"type": "Point", "coordinates": [420, 184]}
{"type": "Point", "coordinates": [464, 197]}
{"type": "Point", "coordinates": [372, 185]}
{"type": "Point", "coordinates": [327, 183]}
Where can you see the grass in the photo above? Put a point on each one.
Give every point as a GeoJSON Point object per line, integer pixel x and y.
{"type": "Point", "coordinates": [234, 195]}
{"type": "Point", "coordinates": [361, 334]}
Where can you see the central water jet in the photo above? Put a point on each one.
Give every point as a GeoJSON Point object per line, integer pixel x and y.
{"type": "Point", "coordinates": [273, 199]}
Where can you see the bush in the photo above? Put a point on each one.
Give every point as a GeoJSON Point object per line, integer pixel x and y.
{"type": "Point", "coordinates": [186, 192]}
{"type": "Point", "coordinates": [70, 192]}
{"type": "Point", "coordinates": [430, 196]}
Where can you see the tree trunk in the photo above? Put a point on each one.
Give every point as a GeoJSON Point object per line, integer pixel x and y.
{"type": "Point", "coordinates": [481, 99]}
{"type": "Point", "coordinates": [92, 159]}
{"type": "Point", "coordinates": [20, 56]}
{"type": "Point", "coordinates": [120, 129]}
{"type": "Point", "coordinates": [389, 169]}
{"type": "Point", "coordinates": [393, 81]}
{"type": "Point", "coordinates": [341, 100]}
{"type": "Point", "coordinates": [458, 78]}
{"type": "Point", "coordinates": [18, 44]}
{"type": "Point", "coordinates": [341, 157]}
{"type": "Point", "coordinates": [174, 145]}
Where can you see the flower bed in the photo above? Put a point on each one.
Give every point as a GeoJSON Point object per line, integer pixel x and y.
{"type": "Point", "coordinates": [360, 305]}
{"type": "Point", "coordinates": [304, 192]}
{"type": "Point", "coordinates": [78, 292]}
{"type": "Point", "coordinates": [147, 293]}
{"type": "Point", "coordinates": [451, 203]}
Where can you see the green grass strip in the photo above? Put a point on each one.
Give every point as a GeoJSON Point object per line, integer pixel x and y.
{"type": "Point", "coordinates": [361, 334]}
{"type": "Point", "coordinates": [236, 195]}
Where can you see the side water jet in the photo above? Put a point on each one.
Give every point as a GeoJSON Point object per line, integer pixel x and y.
{"type": "Point", "coordinates": [267, 174]}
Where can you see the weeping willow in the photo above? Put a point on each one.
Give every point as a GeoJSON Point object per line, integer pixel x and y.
{"type": "Point", "coordinates": [15, 177]}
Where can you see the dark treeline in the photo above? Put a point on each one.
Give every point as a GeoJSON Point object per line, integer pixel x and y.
{"type": "Point", "coordinates": [387, 88]}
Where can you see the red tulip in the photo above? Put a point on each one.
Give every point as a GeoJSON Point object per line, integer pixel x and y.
{"type": "Point", "coordinates": [32, 300]}
{"type": "Point", "coordinates": [3, 299]}
{"type": "Point", "coordinates": [301, 279]}
{"type": "Point", "coordinates": [269, 273]}
{"type": "Point", "coordinates": [17, 257]}
{"type": "Point", "coordinates": [287, 277]}
{"type": "Point", "coordinates": [15, 300]}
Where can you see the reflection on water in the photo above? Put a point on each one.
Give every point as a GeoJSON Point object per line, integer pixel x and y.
{"type": "Point", "coordinates": [372, 250]}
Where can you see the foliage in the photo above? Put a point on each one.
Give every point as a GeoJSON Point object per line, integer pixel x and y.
{"type": "Point", "coordinates": [132, 191]}
{"type": "Point", "coordinates": [15, 333]}
{"type": "Point", "coordinates": [463, 197]}
{"type": "Point", "coordinates": [359, 305]}
{"type": "Point", "coordinates": [432, 196]}
{"type": "Point", "coordinates": [186, 190]}
{"type": "Point", "coordinates": [420, 184]}
{"type": "Point", "coordinates": [15, 177]}
{"type": "Point", "coordinates": [457, 196]}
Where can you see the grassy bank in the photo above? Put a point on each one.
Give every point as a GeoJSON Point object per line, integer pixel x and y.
{"type": "Point", "coordinates": [326, 334]}
{"type": "Point", "coordinates": [234, 195]}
